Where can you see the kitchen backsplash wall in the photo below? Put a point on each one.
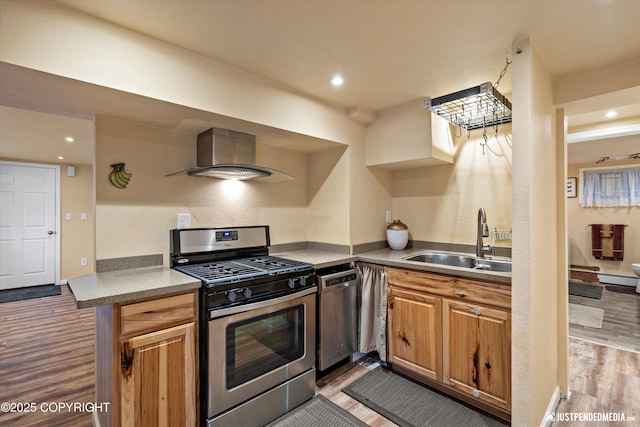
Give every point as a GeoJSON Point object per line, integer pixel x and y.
{"type": "Point", "coordinates": [440, 203]}
{"type": "Point", "coordinates": [136, 220]}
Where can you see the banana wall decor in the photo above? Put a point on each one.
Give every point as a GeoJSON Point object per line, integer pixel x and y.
{"type": "Point", "coordinates": [118, 177]}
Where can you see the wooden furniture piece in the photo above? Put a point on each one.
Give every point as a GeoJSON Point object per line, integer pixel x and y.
{"type": "Point", "coordinates": [453, 334]}
{"type": "Point", "coordinates": [146, 362]}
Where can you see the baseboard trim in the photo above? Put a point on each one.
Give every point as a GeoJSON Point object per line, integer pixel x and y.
{"type": "Point", "coordinates": [617, 279]}
{"type": "Point", "coordinates": [549, 415]}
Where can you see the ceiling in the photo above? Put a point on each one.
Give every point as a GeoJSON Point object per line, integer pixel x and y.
{"type": "Point", "coordinates": [390, 52]}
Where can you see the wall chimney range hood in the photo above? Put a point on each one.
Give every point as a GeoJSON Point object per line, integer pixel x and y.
{"type": "Point", "coordinates": [227, 154]}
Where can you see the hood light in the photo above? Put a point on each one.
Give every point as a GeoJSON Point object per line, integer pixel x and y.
{"type": "Point", "coordinates": [232, 172]}
{"type": "Point", "coordinates": [611, 114]}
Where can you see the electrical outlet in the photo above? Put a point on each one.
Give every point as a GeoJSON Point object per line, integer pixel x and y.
{"type": "Point", "coordinates": [68, 217]}
{"type": "Point", "coordinates": [388, 217]}
{"type": "Point", "coordinates": [83, 261]}
{"type": "Point", "coordinates": [83, 215]}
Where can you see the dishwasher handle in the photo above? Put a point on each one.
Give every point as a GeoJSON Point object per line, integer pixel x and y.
{"type": "Point", "coordinates": [341, 286]}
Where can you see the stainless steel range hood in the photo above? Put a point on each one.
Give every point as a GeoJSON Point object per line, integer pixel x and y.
{"type": "Point", "coordinates": [227, 154]}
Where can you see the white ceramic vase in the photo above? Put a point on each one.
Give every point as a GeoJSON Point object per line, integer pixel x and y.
{"type": "Point", "coordinates": [397, 235]}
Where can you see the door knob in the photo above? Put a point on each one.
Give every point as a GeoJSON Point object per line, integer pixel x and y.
{"type": "Point", "coordinates": [50, 232]}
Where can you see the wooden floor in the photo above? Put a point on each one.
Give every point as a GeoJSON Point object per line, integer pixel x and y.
{"type": "Point", "coordinates": [47, 356]}
{"type": "Point", "coordinates": [331, 386]}
{"type": "Point", "coordinates": [603, 380]}
{"type": "Point", "coordinates": [621, 323]}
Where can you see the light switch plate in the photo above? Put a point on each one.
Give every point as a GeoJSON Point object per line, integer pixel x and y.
{"type": "Point", "coordinates": [183, 220]}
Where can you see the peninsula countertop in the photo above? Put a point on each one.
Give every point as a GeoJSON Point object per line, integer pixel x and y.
{"type": "Point", "coordinates": [92, 290]}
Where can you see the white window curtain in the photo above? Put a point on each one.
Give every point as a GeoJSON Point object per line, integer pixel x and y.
{"type": "Point", "coordinates": [610, 187]}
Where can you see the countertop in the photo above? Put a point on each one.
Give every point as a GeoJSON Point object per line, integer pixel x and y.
{"type": "Point", "coordinates": [319, 259]}
{"type": "Point", "coordinates": [92, 290]}
{"type": "Point", "coordinates": [122, 286]}
{"type": "Point", "coordinates": [393, 258]}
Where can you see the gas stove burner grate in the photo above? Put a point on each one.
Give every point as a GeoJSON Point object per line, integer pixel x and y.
{"type": "Point", "coordinates": [235, 270]}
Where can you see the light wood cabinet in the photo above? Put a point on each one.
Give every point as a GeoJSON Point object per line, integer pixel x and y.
{"type": "Point", "coordinates": [477, 351]}
{"type": "Point", "coordinates": [452, 333]}
{"type": "Point", "coordinates": [415, 338]}
{"type": "Point", "coordinates": [158, 377]}
{"type": "Point", "coordinates": [146, 362]}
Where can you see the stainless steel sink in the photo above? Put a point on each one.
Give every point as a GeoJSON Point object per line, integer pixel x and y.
{"type": "Point", "coordinates": [453, 260]}
{"type": "Point", "coordinates": [493, 265]}
{"type": "Point", "coordinates": [460, 260]}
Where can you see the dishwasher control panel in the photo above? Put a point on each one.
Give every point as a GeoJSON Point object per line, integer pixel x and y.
{"type": "Point", "coordinates": [333, 281]}
{"type": "Point", "coordinates": [337, 275]}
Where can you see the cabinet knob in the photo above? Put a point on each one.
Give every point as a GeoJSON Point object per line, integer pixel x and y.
{"type": "Point", "coordinates": [475, 393]}
{"type": "Point", "coordinates": [477, 311]}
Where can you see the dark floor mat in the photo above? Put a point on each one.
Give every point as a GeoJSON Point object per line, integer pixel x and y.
{"type": "Point", "coordinates": [631, 290]}
{"type": "Point", "coordinates": [412, 405]}
{"type": "Point", "coordinates": [30, 292]}
{"type": "Point", "coordinates": [318, 412]}
{"type": "Point", "coordinates": [587, 290]}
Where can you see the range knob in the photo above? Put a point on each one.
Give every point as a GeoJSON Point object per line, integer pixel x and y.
{"type": "Point", "coordinates": [292, 283]}
{"type": "Point", "coordinates": [303, 281]}
{"type": "Point", "coordinates": [247, 293]}
{"type": "Point", "coordinates": [231, 296]}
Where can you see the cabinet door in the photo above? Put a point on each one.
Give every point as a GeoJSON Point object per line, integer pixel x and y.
{"type": "Point", "coordinates": [415, 339]}
{"type": "Point", "coordinates": [477, 351]}
{"type": "Point", "coordinates": [158, 384]}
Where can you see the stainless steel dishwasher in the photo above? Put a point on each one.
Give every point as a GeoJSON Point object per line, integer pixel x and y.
{"type": "Point", "coordinates": [337, 314]}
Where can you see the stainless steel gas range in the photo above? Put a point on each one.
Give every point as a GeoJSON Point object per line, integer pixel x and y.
{"type": "Point", "coordinates": [257, 324]}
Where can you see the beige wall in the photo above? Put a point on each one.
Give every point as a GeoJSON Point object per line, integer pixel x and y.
{"type": "Point", "coordinates": [440, 203]}
{"type": "Point", "coordinates": [580, 232]}
{"type": "Point", "coordinates": [137, 220]}
{"type": "Point", "coordinates": [535, 307]}
{"type": "Point", "coordinates": [77, 235]}
{"type": "Point", "coordinates": [370, 198]}
{"type": "Point", "coordinates": [328, 195]}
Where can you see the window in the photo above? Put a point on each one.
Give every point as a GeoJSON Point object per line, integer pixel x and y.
{"type": "Point", "coordinates": [610, 187]}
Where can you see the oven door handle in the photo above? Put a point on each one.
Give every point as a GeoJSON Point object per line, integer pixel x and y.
{"type": "Point", "coordinates": [214, 314]}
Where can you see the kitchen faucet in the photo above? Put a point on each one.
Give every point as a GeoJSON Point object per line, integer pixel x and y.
{"type": "Point", "coordinates": [483, 231]}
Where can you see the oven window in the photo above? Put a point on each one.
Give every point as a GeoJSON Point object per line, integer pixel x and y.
{"type": "Point", "coordinates": [261, 344]}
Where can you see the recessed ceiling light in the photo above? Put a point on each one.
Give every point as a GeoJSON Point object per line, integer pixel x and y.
{"type": "Point", "coordinates": [337, 80]}
{"type": "Point", "coordinates": [60, 158]}
{"type": "Point", "coordinates": [69, 139]}
{"type": "Point", "coordinates": [610, 114]}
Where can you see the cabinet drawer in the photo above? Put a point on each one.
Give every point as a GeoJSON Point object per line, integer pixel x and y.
{"type": "Point", "coordinates": [460, 288]}
{"type": "Point", "coordinates": [156, 314]}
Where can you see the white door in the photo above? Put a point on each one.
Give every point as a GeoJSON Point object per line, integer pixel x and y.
{"type": "Point", "coordinates": [28, 219]}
